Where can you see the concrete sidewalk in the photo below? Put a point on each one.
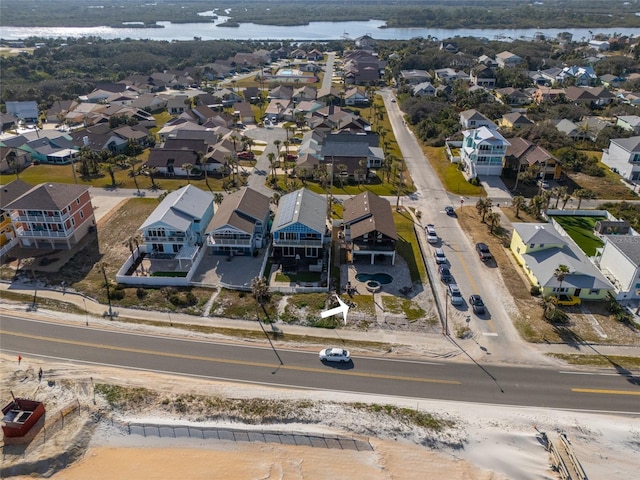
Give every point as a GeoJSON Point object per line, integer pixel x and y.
{"type": "Point", "coordinates": [430, 345]}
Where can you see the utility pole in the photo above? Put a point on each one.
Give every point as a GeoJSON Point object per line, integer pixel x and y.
{"type": "Point", "coordinates": [106, 283]}
{"type": "Point", "coordinates": [400, 178]}
{"type": "Point", "coordinates": [330, 204]}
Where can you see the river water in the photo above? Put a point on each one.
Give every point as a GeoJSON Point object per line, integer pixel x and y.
{"type": "Point", "coordinates": [315, 31]}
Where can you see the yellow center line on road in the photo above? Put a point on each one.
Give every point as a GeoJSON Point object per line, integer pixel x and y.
{"type": "Point", "coordinates": [606, 392]}
{"type": "Point", "coordinates": [492, 327]}
{"type": "Point", "coordinates": [234, 362]}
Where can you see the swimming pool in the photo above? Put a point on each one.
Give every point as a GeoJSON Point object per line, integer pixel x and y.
{"type": "Point", "coordinates": [381, 278]}
{"type": "Point", "coordinates": [285, 72]}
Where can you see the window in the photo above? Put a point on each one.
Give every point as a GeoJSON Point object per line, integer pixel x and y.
{"type": "Point", "coordinates": [594, 291]}
{"type": "Point", "coordinates": [518, 249]}
{"type": "Point", "coordinates": [81, 214]}
{"type": "Point", "coordinates": [532, 245]}
{"type": "Point", "coordinates": [73, 221]}
{"type": "Point", "coordinates": [78, 201]}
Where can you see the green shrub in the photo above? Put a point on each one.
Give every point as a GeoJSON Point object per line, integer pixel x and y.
{"type": "Point", "coordinates": [535, 291]}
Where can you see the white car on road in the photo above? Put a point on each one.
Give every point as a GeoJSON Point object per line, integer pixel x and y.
{"type": "Point", "coordinates": [334, 355]}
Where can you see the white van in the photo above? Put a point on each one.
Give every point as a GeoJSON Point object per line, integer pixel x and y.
{"type": "Point", "coordinates": [440, 256]}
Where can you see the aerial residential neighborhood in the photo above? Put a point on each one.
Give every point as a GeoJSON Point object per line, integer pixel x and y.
{"type": "Point", "coordinates": [403, 197]}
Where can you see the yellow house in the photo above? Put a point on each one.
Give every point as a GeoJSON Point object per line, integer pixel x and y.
{"type": "Point", "coordinates": [8, 194]}
{"type": "Point", "coordinates": [540, 249]}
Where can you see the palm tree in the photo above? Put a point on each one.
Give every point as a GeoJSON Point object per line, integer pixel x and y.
{"type": "Point", "coordinates": [218, 198]}
{"type": "Point", "coordinates": [583, 194]}
{"type": "Point", "coordinates": [260, 289]}
{"type": "Point", "coordinates": [188, 167]}
{"type": "Point", "coordinates": [518, 203]}
{"type": "Point", "coordinates": [272, 164]}
{"type": "Point", "coordinates": [536, 205]}
{"type": "Point", "coordinates": [152, 171]}
{"type": "Point", "coordinates": [546, 199]}
{"type": "Point", "coordinates": [134, 172]}
{"type": "Point", "coordinates": [494, 221]}
{"type": "Point", "coordinates": [275, 198]}
{"type": "Point", "coordinates": [484, 205]}
{"type": "Point", "coordinates": [560, 193]}
{"type": "Point", "coordinates": [107, 166]}
{"type": "Point", "coordinates": [565, 198]}
{"type": "Point", "coordinates": [560, 273]}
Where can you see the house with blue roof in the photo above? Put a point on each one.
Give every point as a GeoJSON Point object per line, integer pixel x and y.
{"type": "Point", "coordinates": [300, 231]}
{"type": "Point", "coordinates": [175, 230]}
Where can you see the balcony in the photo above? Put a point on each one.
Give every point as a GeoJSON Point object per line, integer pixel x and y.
{"type": "Point", "coordinates": [317, 243]}
{"type": "Point", "coordinates": [173, 238]}
{"type": "Point", "coordinates": [225, 242]}
{"type": "Point", "coordinates": [39, 218]}
{"type": "Point", "coordinates": [21, 232]}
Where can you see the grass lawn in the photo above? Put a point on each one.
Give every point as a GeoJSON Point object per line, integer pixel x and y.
{"type": "Point", "coordinates": [411, 310]}
{"type": "Point", "coordinates": [580, 229]}
{"type": "Point", "coordinates": [302, 277]}
{"type": "Point", "coordinates": [37, 174]}
{"type": "Point", "coordinates": [449, 175]}
{"type": "Point", "coordinates": [376, 185]}
{"type": "Point", "coordinates": [407, 245]}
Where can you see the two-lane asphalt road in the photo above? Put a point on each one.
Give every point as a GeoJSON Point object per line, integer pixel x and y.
{"type": "Point", "coordinates": [471, 275]}
{"type": "Point", "coordinates": [602, 391]}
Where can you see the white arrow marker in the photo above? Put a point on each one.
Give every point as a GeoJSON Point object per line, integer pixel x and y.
{"type": "Point", "coordinates": [343, 309]}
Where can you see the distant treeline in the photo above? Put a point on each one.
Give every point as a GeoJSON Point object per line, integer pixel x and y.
{"type": "Point", "coordinates": [401, 13]}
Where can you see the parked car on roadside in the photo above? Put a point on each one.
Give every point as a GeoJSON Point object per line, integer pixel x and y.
{"type": "Point", "coordinates": [450, 211]}
{"type": "Point", "coordinates": [454, 294]}
{"type": "Point", "coordinates": [483, 251]}
{"type": "Point", "coordinates": [432, 236]}
{"type": "Point", "coordinates": [440, 256]}
{"type": "Point", "coordinates": [445, 273]}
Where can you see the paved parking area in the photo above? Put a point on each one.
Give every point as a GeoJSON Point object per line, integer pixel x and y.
{"type": "Point", "coordinates": [215, 270]}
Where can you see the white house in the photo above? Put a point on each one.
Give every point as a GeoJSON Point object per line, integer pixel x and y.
{"type": "Point", "coordinates": [623, 155]}
{"type": "Point", "coordinates": [175, 229]}
{"type": "Point", "coordinates": [620, 262]}
{"type": "Point", "coordinates": [483, 151]}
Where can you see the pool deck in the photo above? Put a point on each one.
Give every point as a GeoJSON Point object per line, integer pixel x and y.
{"type": "Point", "coordinates": [399, 272]}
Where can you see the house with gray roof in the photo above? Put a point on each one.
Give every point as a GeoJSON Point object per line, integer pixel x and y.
{"type": "Point", "coordinates": [175, 230]}
{"type": "Point", "coordinates": [52, 216]}
{"type": "Point", "coordinates": [539, 248]}
{"type": "Point", "coordinates": [240, 225]}
{"type": "Point", "coordinates": [474, 119]}
{"type": "Point", "coordinates": [369, 229]}
{"type": "Point", "coordinates": [630, 123]}
{"type": "Point", "coordinates": [619, 261]}
{"type": "Point", "coordinates": [25, 111]}
{"type": "Point", "coordinates": [299, 230]}
{"type": "Point", "coordinates": [623, 156]}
